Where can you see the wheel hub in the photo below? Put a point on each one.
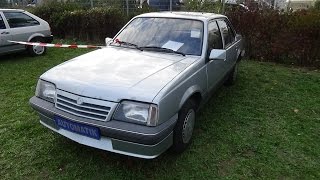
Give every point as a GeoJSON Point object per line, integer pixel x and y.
{"type": "Point", "coordinates": [38, 49]}
{"type": "Point", "coordinates": [188, 126]}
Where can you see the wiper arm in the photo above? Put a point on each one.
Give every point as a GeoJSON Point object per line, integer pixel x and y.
{"type": "Point", "coordinates": [162, 49]}
{"type": "Point", "coordinates": [127, 44]}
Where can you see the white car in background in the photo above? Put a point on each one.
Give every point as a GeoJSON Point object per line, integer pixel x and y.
{"type": "Point", "coordinates": [20, 25]}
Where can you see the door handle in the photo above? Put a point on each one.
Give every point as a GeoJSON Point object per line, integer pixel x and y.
{"type": "Point", "coordinates": [5, 32]}
{"type": "Point", "coordinates": [217, 60]}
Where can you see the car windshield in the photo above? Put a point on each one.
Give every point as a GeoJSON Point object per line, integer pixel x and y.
{"type": "Point", "coordinates": [180, 35]}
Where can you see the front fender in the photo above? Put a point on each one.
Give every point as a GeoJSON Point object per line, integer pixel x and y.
{"type": "Point", "coordinates": [189, 92]}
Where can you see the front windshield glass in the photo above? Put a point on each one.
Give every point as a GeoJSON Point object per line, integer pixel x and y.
{"type": "Point", "coordinates": [181, 35]}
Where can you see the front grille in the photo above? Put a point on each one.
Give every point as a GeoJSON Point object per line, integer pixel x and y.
{"type": "Point", "coordinates": [82, 106]}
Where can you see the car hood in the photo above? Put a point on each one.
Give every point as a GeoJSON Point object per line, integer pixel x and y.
{"type": "Point", "coordinates": [115, 73]}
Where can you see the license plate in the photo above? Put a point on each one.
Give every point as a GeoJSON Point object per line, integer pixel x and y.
{"type": "Point", "coordinates": [85, 130]}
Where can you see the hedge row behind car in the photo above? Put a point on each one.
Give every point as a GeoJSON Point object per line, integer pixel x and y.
{"type": "Point", "coordinates": [289, 38]}
{"type": "Point", "coordinates": [75, 22]}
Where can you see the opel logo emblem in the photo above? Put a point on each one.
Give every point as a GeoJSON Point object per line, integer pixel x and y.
{"type": "Point", "coordinates": [79, 101]}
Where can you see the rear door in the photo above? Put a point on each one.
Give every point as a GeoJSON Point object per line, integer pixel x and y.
{"type": "Point", "coordinates": [21, 26]}
{"type": "Point", "coordinates": [5, 35]}
{"type": "Point", "coordinates": [229, 41]}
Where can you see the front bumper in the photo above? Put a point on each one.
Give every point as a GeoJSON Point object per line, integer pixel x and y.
{"type": "Point", "coordinates": [119, 137]}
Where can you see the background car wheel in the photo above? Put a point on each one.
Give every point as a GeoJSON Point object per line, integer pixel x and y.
{"type": "Point", "coordinates": [233, 75]}
{"type": "Point", "coordinates": [37, 50]}
{"type": "Point", "coordinates": [184, 128]}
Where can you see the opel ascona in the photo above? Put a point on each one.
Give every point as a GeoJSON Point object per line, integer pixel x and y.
{"type": "Point", "coordinates": [139, 95]}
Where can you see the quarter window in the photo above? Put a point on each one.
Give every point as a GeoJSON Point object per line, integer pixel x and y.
{"type": "Point", "coordinates": [227, 33]}
{"type": "Point", "coordinates": [2, 25]}
{"type": "Point", "coordinates": [19, 19]}
{"type": "Point", "coordinates": [214, 38]}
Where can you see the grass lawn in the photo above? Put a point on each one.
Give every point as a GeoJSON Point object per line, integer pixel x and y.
{"type": "Point", "coordinates": [266, 126]}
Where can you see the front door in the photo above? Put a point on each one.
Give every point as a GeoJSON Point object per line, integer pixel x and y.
{"type": "Point", "coordinates": [216, 69]}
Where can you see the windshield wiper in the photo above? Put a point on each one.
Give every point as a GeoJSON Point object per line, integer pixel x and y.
{"type": "Point", "coordinates": [127, 44]}
{"type": "Point", "coordinates": [162, 49]}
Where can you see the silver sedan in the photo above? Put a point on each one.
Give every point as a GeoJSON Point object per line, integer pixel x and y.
{"type": "Point", "coordinates": [139, 95]}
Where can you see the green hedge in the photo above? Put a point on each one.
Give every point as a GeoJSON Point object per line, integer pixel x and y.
{"type": "Point", "coordinates": [91, 25]}
{"type": "Point", "coordinates": [73, 21]}
{"type": "Point", "coordinates": [290, 38]}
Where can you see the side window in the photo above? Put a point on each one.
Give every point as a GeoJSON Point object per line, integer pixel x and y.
{"type": "Point", "coordinates": [2, 25]}
{"type": "Point", "coordinates": [227, 33]}
{"type": "Point", "coordinates": [19, 19]}
{"type": "Point", "coordinates": [214, 36]}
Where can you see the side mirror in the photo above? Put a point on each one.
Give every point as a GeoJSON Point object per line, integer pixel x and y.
{"type": "Point", "coordinates": [108, 40]}
{"type": "Point", "coordinates": [218, 54]}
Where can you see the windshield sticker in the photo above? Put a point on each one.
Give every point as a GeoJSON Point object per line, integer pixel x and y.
{"type": "Point", "coordinates": [173, 45]}
{"type": "Point", "coordinates": [195, 33]}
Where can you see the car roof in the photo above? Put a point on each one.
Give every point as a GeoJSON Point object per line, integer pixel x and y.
{"type": "Point", "coordinates": [184, 15]}
{"type": "Point", "coordinates": [12, 10]}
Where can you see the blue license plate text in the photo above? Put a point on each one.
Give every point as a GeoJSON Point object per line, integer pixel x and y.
{"type": "Point", "coordinates": [89, 131]}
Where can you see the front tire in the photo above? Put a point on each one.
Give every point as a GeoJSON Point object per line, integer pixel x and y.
{"type": "Point", "coordinates": [183, 130]}
{"type": "Point", "coordinates": [36, 50]}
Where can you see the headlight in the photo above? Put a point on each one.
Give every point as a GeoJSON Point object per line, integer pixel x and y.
{"type": "Point", "coordinates": [136, 112]}
{"type": "Point", "coordinates": [46, 90]}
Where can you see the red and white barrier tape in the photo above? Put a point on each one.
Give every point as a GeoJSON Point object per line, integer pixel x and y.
{"type": "Point", "coordinates": [56, 45]}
